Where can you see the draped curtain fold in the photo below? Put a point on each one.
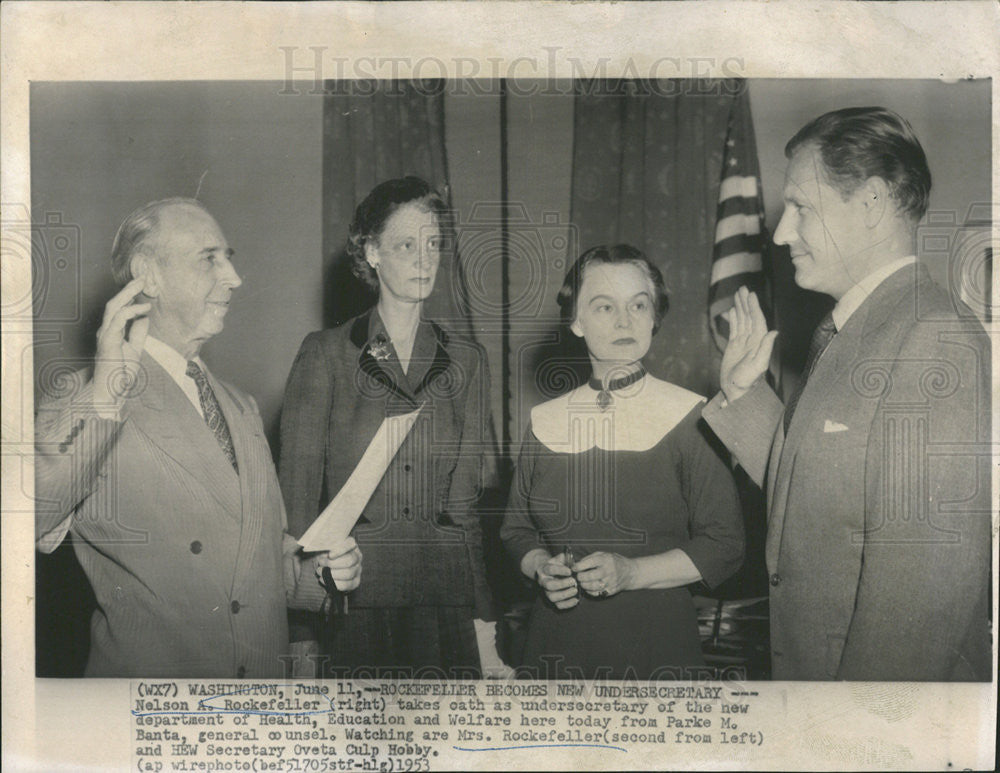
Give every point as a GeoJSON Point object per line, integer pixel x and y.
{"type": "Point", "coordinates": [374, 131]}
{"type": "Point", "coordinates": [646, 171]}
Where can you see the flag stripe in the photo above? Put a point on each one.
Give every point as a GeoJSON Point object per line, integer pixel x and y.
{"type": "Point", "coordinates": [737, 205]}
{"type": "Point", "coordinates": [737, 186]}
{"type": "Point", "coordinates": [740, 263]}
{"type": "Point", "coordinates": [740, 235]}
{"type": "Point", "coordinates": [723, 291]}
{"type": "Point", "coordinates": [736, 224]}
{"type": "Point", "coordinates": [739, 243]}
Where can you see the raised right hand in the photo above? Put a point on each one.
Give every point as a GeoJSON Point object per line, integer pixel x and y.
{"type": "Point", "coordinates": [557, 581]}
{"type": "Point", "coordinates": [748, 351]}
{"type": "Point", "coordinates": [117, 361]}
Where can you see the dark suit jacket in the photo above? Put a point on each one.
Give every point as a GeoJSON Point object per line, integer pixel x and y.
{"type": "Point", "coordinates": [879, 507]}
{"type": "Point", "coordinates": [184, 556]}
{"type": "Point", "coordinates": [419, 534]}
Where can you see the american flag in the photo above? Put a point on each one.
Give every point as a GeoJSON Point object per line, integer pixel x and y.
{"type": "Point", "coordinates": [740, 238]}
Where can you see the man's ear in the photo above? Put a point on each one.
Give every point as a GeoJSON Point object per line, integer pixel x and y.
{"type": "Point", "coordinates": [143, 266]}
{"type": "Point", "coordinates": [875, 200]}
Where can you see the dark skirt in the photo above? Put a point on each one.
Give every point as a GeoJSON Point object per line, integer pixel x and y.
{"type": "Point", "coordinates": [403, 643]}
{"type": "Point", "coordinates": [645, 634]}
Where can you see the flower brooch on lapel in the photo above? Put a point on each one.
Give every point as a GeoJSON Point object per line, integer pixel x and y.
{"type": "Point", "coordinates": [379, 347]}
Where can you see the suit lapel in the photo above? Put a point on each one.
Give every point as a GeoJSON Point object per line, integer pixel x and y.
{"type": "Point", "coordinates": [777, 491]}
{"type": "Point", "coordinates": [850, 346]}
{"type": "Point", "coordinates": [428, 361]}
{"type": "Point", "coordinates": [828, 376]}
{"type": "Point", "coordinates": [833, 373]}
{"type": "Point", "coordinates": [165, 415]}
{"type": "Point", "coordinates": [249, 449]}
{"type": "Point", "coordinates": [430, 358]}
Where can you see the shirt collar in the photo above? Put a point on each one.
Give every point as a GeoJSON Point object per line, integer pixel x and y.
{"type": "Point", "coordinates": [169, 359]}
{"type": "Point", "coordinates": [854, 297]}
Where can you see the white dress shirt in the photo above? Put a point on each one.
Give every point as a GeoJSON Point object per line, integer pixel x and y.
{"type": "Point", "coordinates": [853, 298]}
{"type": "Point", "coordinates": [176, 366]}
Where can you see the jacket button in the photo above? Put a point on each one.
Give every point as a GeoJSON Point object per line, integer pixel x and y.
{"type": "Point", "coordinates": [407, 467]}
{"type": "Point", "coordinates": [196, 547]}
{"type": "Point", "coordinates": [406, 511]}
{"type": "Point", "coordinates": [235, 606]}
{"type": "Point", "coordinates": [775, 580]}
{"type": "Point", "coordinates": [241, 671]}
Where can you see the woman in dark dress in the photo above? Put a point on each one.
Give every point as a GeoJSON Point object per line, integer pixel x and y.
{"type": "Point", "coordinates": [423, 598]}
{"type": "Point", "coordinates": [619, 502]}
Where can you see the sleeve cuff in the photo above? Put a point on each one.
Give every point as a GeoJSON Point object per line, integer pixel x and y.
{"type": "Point", "coordinates": [303, 590]}
{"type": "Point", "coordinates": [747, 426]}
{"type": "Point", "coordinates": [520, 547]}
{"type": "Point", "coordinates": [713, 567]}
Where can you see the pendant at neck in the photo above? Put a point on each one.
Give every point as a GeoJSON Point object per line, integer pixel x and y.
{"type": "Point", "coordinates": [605, 398]}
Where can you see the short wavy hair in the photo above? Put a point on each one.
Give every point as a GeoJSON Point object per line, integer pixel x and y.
{"type": "Point", "coordinates": [373, 213]}
{"type": "Point", "coordinates": [861, 142]}
{"type": "Point", "coordinates": [616, 254]}
{"type": "Point", "coordinates": [134, 233]}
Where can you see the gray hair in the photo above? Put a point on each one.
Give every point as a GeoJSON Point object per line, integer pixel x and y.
{"type": "Point", "coordinates": [134, 233]}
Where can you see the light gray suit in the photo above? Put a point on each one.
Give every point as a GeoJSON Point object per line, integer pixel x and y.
{"type": "Point", "coordinates": [878, 540]}
{"type": "Point", "coordinates": [185, 556]}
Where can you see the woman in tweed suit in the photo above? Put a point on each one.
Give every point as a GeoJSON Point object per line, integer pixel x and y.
{"type": "Point", "coordinates": [422, 543]}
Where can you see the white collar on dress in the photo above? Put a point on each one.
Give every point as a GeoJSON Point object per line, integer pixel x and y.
{"type": "Point", "coordinates": [638, 418]}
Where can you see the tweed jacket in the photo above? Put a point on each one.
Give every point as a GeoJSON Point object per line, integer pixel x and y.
{"type": "Point", "coordinates": [419, 534]}
{"type": "Point", "coordinates": [878, 539]}
{"type": "Point", "coordinates": [185, 556]}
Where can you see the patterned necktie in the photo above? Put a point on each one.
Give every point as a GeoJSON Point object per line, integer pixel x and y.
{"type": "Point", "coordinates": [213, 413]}
{"type": "Point", "coordinates": [825, 332]}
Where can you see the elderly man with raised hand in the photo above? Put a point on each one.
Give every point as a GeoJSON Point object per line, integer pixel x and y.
{"type": "Point", "coordinates": [163, 474]}
{"type": "Point", "coordinates": [876, 468]}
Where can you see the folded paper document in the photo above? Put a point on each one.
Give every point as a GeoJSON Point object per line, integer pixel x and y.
{"type": "Point", "coordinates": [334, 524]}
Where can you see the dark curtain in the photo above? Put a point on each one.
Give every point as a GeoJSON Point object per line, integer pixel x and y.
{"type": "Point", "coordinates": [374, 131]}
{"type": "Point", "coordinates": [646, 169]}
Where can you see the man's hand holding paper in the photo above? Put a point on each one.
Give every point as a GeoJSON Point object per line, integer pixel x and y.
{"type": "Point", "coordinates": [334, 524]}
{"type": "Point", "coordinates": [344, 563]}
{"type": "Point", "coordinates": [304, 572]}
{"type": "Point", "coordinates": [327, 544]}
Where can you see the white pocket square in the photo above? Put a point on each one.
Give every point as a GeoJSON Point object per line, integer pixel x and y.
{"type": "Point", "coordinates": [834, 426]}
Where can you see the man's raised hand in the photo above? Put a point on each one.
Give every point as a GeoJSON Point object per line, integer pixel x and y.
{"type": "Point", "coordinates": [117, 362]}
{"type": "Point", "coordinates": [749, 349]}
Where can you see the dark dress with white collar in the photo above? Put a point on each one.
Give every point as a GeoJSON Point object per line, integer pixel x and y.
{"type": "Point", "coordinates": [423, 578]}
{"type": "Point", "coordinates": [637, 478]}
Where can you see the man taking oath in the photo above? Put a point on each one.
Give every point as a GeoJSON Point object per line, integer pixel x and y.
{"type": "Point", "coordinates": [163, 474]}
{"type": "Point", "coordinates": [876, 468]}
